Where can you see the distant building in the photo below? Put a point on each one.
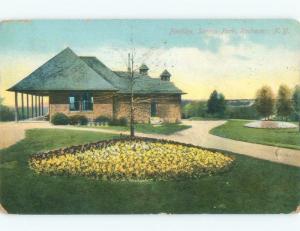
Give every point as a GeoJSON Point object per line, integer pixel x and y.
{"type": "Point", "coordinates": [85, 86]}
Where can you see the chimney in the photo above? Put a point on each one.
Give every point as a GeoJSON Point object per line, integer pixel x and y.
{"type": "Point", "coordinates": [144, 69]}
{"type": "Point", "coordinates": [165, 76]}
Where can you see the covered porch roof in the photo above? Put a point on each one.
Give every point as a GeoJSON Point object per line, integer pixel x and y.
{"type": "Point", "coordinates": [64, 72]}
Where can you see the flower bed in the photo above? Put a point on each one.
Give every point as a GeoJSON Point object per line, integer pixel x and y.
{"type": "Point", "coordinates": [131, 159]}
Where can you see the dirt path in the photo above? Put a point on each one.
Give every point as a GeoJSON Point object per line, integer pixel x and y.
{"type": "Point", "coordinates": [11, 132]}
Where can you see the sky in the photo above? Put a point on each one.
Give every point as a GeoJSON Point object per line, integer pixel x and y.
{"type": "Point", "coordinates": [235, 57]}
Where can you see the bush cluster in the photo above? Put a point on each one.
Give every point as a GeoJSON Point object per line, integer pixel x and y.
{"type": "Point", "coordinates": [62, 119]}
{"type": "Point", "coordinates": [102, 119]}
{"type": "Point", "coordinates": [119, 122]}
{"type": "Point", "coordinates": [78, 120]}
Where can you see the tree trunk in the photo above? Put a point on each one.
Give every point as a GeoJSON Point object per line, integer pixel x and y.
{"type": "Point", "coordinates": [131, 99]}
{"type": "Point", "coordinates": [131, 117]}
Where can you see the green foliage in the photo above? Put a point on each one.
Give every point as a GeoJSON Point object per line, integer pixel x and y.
{"type": "Point", "coordinates": [216, 104]}
{"type": "Point", "coordinates": [119, 122]}
{"type": "Point", "coordinates": [212, 103]}
{"type": "Point", "coordinates": [6, 113]}
{"type": "Point", "coordinates": [78, 120]}
{"type": "Point", "coordinates": [296, 99]}
{"type": "Point", "coordinates": [284, 104]}
{"type": "Point", "coordinates": [251, 186]}
{"type": "Point", "coordinates": [221, 106]}
{"type": "Point", "coordinates": [60, 119]}
{"type": "Point", "coordinates": [103, 119]}
{"type": "Point", "coordinates": [194, 109]}
{"type": "Point", "coordinates": [264, 102]}
{"type": "Point", "coordinates": [241, 113]}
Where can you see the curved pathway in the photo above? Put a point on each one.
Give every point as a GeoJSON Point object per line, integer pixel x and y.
{"type": "Point", "coordinates": [198, 134]}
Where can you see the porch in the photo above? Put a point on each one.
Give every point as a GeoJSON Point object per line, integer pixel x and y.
{"type": "Point", "coordinates": [31, 106]}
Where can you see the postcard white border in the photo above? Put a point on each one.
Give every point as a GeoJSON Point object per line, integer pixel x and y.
{"type": "Point", "coordinates": [65, 9]}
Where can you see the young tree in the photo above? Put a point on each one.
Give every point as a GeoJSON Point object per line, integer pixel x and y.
{"type": "Point", "coordinates": [296, 100]}
{"type": "Point", "coordinates": [212, 103]}
{"type": "Point", "coordinates": [264, 102]}
{"type": "Point", "coordinates": [284, 104]}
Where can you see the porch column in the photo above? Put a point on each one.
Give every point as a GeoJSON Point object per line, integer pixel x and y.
{"type": "Point", "coordinates": [49, 107]}
{"type": "Point", "coordinates": [39, 97]}
{"type": "Point", "coordinates": [16, 107]}
{"type": "Point", "coordinates": [35, 108]}
{"type": "Point", "coordinates": [32, 111]}
{"type": "Point", "coordinates": [42, 105]}
{"type": "Point", "coordinates": [27, 106]}
{"type": "Point", "coordinates": [22, 105]}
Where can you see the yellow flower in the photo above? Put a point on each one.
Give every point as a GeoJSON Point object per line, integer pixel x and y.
{"type": "Point", "coordinates": [135, 160]}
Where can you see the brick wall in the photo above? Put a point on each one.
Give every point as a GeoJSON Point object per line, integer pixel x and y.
{"type": "Point", "coordinates": [168, 107]}
{"type": "Point", "coordinates": [141, 112]}
{"type": "Point", "coordinates": [59, 102]}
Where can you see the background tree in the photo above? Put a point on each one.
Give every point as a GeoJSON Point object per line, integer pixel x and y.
{"type": "Point", "coordinates": [216, 104]}
{"type": "Point", "coordinates": [296, 101]}
{"type": "Point", "coordinates": [212, 103]}
{"type": "Point", "coordinates": [264, 102]}
{"type": "Point", "coordinates": [194, 109]}
{"type": "Point", "coordinates": [6, 113]}
{"type": "Point", "coordinates": [284, 105]}
{"type": "Point", "coordinates": [221, 106]}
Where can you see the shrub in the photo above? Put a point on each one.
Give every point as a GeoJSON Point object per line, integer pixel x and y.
{"type": "Point", "coordinates": [123, 121]}
{"type": "Point", "coordinates": [60, 119]}
{"type": "Point", "coordinates": [119, 122]}
{"type": "Point", "coordinates": [6, 113]}
{"type": "Point", "coordinates": [78, 119]}
{"type": "Point", "coordinates": [102, 119]}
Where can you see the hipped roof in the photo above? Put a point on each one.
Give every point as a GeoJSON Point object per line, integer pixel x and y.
{"type": "Point", "coordinates": [68, 72]}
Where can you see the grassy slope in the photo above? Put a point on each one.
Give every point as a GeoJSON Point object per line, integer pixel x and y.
{"type": "Point", "coordinates": [234, 129]}
{"type": "Point", "coordinates": [252, 186]}
{"type": "Point", "coordinates": [165, 129]}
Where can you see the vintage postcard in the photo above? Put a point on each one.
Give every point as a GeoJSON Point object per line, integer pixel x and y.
{"type": "Point", "coordinates": [150, 116]}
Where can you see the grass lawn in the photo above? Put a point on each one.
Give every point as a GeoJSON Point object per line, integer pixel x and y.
{"type": "Point", "coordinates": [252, 186]}
{"type": "Point", "coordinates": [165, 129]}
{"type": "Point", "coordinates": [234, 129]}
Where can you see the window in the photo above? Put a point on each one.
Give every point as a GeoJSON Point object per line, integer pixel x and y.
{"type": "Point", "coordinates": [87, 102]}
{"type": "Point", "coordinates": [81, 102]}
{"type": "Point", "coordinates": [74, 103]}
